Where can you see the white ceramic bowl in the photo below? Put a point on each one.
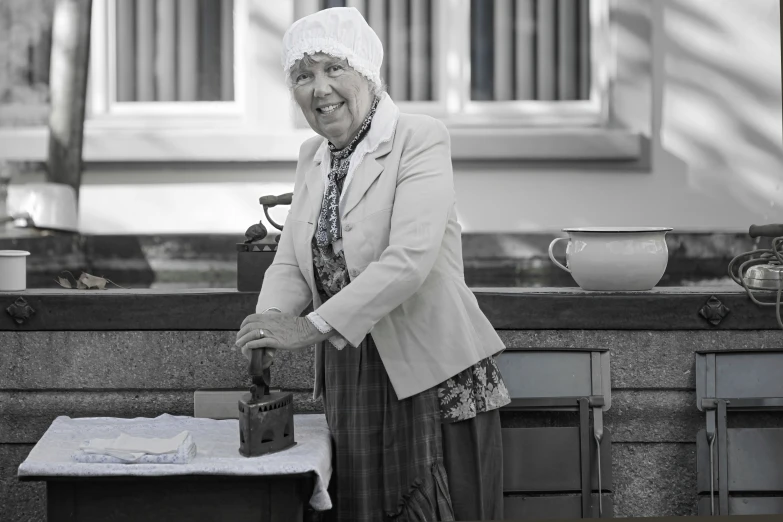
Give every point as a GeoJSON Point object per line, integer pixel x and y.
{"type": "Point", "coordinates": [49, 205]}
{"type": "Point", "coordinates": [13, 270]}
{"type": "Point", "coordinates": [615, 258]}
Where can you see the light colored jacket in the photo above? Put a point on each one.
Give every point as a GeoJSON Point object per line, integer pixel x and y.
{"type": "Point", "coordinates": [403, 251]}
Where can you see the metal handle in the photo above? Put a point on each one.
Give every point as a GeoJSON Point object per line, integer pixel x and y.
{"type": "Point", "coordinates": [765, 230]}
{"type": "Point", "coordinates": [598, 434]}
{"type": "Point", "coordinates": [261, 376]}
{"type": "Point", "coordinates": [712, 474]}
{"type": "Point", "coordinates": [552, 254]}
{"type": "Point", "coordinates": [600, 487]}
{"type": "Point", "coordinates": [272, 201]}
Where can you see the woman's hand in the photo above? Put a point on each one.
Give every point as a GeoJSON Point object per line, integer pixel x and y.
{"type": "Point", "coordinates": [280, 331]}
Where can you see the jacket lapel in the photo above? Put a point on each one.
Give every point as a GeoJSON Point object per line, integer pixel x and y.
{"type": "Point", "coordinates": [315, 184]}
{"type": "Point", "coordinates": [364, 176]}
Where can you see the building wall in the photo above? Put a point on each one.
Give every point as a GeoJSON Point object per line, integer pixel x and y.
{"type": "Point", "coordinates": [712, 113]}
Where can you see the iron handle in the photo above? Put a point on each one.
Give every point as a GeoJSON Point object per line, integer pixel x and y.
{"type": "Point", "coordinates": [261, 376]}
{"type": "Point", "coordinates": [272, 201]}
{"type": "Point", "coordinates": [765, 230]}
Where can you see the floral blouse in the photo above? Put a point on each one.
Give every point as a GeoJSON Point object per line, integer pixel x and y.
{"type": "Point", "coordinates": [477, 389]}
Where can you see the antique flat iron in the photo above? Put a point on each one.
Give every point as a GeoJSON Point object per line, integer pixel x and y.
{"type": "Point", "coordinates": [266, 420]}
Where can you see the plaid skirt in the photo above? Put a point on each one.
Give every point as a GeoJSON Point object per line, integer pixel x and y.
{"type": "Point", "coordinates": [388, 454]}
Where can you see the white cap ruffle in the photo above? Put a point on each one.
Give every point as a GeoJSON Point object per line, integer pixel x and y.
{"type": "Point", "coordinates": [341, 32]}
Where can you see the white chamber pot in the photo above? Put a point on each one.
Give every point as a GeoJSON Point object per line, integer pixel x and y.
{"type": "Point", "coordinates": [615, 258]}
{"type": "Point", "coordinates": [13, 270]}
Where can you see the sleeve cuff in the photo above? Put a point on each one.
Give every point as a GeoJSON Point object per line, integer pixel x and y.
{"type": "Point", "coordinates": [337, 340]}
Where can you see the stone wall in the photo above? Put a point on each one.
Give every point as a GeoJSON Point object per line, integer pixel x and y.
{"type": "Point", "coordinates": [653, 419]}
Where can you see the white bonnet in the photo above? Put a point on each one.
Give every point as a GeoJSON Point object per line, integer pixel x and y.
{"type": "Point", "coordinates": [341, 32]}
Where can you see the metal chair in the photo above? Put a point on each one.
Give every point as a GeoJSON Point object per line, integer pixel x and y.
{"type": "Point", "coordinates": [748, 474]}
{"type": "Point", "coordinates": [556, 472]}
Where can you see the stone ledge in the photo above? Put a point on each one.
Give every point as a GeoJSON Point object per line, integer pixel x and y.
{"type": "Point", "coordinates": [660, 309]}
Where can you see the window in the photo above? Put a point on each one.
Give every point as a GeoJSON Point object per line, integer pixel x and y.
{"type": "Point", "coordinates": [517, 63]}
{"type": "Point", "coordinates": [200, 80]}
{"type": "Point", "coordinates": [173, 51]}
{"type": "Point", "coordinates": [165, 64]}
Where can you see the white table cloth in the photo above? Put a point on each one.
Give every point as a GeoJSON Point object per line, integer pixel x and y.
{"type": "Point", "coordinates": [217, 443]}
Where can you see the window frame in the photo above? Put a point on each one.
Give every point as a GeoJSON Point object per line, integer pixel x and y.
{"type": "Point", "coordinates": [452, 79]}
{"type": "Point", "coordinates": [240, 130]}
{"type": "Point", "coordinates": [103, 111]}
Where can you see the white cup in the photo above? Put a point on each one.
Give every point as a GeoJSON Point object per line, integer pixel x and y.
{"type": "Point", "coordinates": [13, 270]}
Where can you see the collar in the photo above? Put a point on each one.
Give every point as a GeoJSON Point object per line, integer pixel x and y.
{"type": "Point", "coordinates": [382, 129]}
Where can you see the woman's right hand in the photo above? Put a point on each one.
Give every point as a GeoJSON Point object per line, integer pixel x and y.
{"type": "Point", "coordinates": [268, 354]}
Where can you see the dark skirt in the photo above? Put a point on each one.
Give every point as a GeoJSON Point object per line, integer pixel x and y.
{"type": "Point", "coordinates": [473, 455]}
{"type": "Point", "coordinates": [393, 459]}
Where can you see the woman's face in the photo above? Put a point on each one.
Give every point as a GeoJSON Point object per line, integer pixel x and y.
{"type": "Point", "coordinates": [333, 97]}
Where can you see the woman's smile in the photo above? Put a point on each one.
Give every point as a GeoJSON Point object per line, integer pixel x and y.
{"type": "Point", "coordinates": [327, 110]}
{"type": "Point", "coordinates": [330, 113]}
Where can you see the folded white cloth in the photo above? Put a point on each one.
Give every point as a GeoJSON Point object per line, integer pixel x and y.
{"type": "Point", "coordinates": [179, 449]}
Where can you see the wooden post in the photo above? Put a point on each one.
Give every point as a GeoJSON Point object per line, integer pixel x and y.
{"type": "Point", "coordinates": [68, 90]}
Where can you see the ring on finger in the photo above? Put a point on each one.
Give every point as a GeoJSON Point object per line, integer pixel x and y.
{"type": "Point", "coordinates": [260, 333]}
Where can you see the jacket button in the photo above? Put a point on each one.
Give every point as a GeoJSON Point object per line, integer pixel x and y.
{"type": "Point", "coordinates": [353, 272]}
{"type": "Point", "coordinates": [348, 227]}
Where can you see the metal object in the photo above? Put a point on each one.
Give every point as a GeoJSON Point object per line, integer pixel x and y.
{"type": "Point", "coordinates": [20, 311]}
{"type": "Point", "coordinates": [766, 277]}
{"type": "Point", "coordinates": [584, 456]}
{"type": "Point", "coordinates": [723, 460]}
{"type": "Point", "coordinates": [272, 201]}
{"type": "Point", "coordinates": [266, 420]}
{"type": "Point", "coordinates": [557, 381]}
{"type": "Point", "coordinates": [252, 263]}
{"type": "Point", "coordinates": [255, 255]}
{"type": "Point", "coordinates": [49, 206]}
{"type": "Point", "coordinates": [763, 269]}
{"type": "Point", "coordinates": [755, 457]}
{"type": "Point", "coordinates": [255, 233]}
{"type": "Point", "coordinates": [598, 421]}
{"type": "Point", "coordinates": [714, 311]}
{"type": "Point", "coordinates": [737, 381]}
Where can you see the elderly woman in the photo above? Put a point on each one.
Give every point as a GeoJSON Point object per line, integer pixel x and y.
{"type": "Point", "coordinates": [403, 354]}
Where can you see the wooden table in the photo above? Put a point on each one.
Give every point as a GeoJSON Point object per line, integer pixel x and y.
{"type": "Point", "coordinates": [213, 487]}
{"type": "Point", "coordinates": [169, 499]}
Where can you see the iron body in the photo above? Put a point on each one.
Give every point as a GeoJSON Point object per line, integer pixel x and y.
{"type": "Point", "coordinates": [766, 277]}
{"type": "Point", "coordinates": [266, 420]}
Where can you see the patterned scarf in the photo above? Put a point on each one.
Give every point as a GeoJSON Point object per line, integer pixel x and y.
{"type": "Point", "coordinates": [329, 229]}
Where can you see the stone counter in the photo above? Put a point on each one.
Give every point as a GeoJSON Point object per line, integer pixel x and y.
{"type": "Point", "coordinates": [143, 353]}
{"type": "Point", "coordinates": [210, 260]}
